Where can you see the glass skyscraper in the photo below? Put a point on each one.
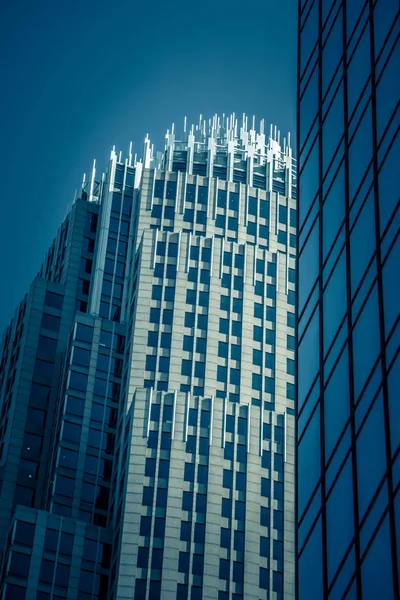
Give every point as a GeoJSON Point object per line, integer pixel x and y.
{"type": "Point", "coordinates": [147, 381]}
{"type": "Point", "coordinates": [348, 394]}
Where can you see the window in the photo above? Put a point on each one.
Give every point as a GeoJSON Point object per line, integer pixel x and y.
{"type": "Point", "coordinates": [77, 381]}
{"type": "Point", "coordinates": [171, 190]}
{"type": "Point", "coordinates": [156, 292]}
{"type": "Point", "coordinates": [167, 317]}
{"type": "Point", "coordinates": [158, 188]}
{"type": "Point", "coordinates": [265, 487]}
{"type": "Point", "coordinates": [291, 342]}
{"type": "Point", "coordinates": [202, 321]}
{"type": "Point", "coordinates": [152, 339]}
{"type": "Point", "coordinates": [81, 357]}
{"type": "Point", "coordinates": [224, 302]}
{"type": "Point", "coordinates": [53, 300]}
{"type": "Point", "coordinates": [84, 333]}
{"type": "Point", "coordinates": [256, 381]}
{"type": "Point", "coordinates": [188, 343]}
{"type": "Point", "coordinates": [71, 432]}
{"type": "Point", "coordinates": [257, 333]}
{"type": "Point", "coordinates": [257, 357]}
{"type": "Point", "coordinates": [224, 326]}
{"type": "Point", "coordinates": [155, 315]}
{"type": "Point", "coordinates": [189, 472]}
{"type": "Point", "coordinates": [235, 351]}
{"type": "Point", "coordinates": [269, 385]}
{"type": "Point", "coordinates": [199, 369]}
{"type": "Point", "coordinates": [234, 376]}
{"type": "Point", "coordinates": [24, 533]}
{"type": "Point", "coordinates": [222, 373]}
{"type": "Point", "coordinates": [50, 322]}
{"type": "Point", "coordinates": [201, 345]}
{"type": "Point", "coordinates": [189, 319]}
{"type": "Point", "coordinates": [191, 297]}
{"type": "Point", "coordinates": [68, 458]}
{"type": "Point", "coordinates": [165, 340]}
{"type": "Point", "coordinates": [169, 294]}
{"type": "Point", "coordinates": [186, 368]}
{"type": "Point", "coordinates": [290, 391]}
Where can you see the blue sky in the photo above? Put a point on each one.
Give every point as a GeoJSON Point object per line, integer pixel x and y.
{"type": "Point", "coordinates": [80, 76]}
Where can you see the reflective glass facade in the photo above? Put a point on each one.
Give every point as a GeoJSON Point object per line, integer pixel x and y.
{"type": "Point", "coordinates": [348, 435]}
{"type": "Point", "coordinates": [147, 387]}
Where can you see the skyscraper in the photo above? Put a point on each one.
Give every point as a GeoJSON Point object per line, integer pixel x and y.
{"type": "Point", "coordinates": [348, 503]}
{"type": "Point", "coordinates": [148, 381]}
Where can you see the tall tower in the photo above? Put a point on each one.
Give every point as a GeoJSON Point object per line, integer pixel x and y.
{"type": "Point", "coordinates": [170, 443]}
{"type": "Point", "coordinates": [348, 462]}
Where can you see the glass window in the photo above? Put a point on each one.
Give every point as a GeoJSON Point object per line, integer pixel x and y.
{"type": "Point", "coordinates": [339, 519]}
{"type": "Point", "coordinates": [371, 455]}
{"type": "Point", "coordinates": [167, 316]}
{"type": "Point", "coordinates": [308, 357]}
{"type": "Point", "coordinates": [53, 300]}
{"type": "Point", "coordinates": [376, 569]}
{"type": "Point", "coordinates": [171, 190]}
{"type": "Point", "coordinates": [84, 333]}
{"type": "Point", "coordinates": [335, 302]}
{"type": "Point", "coordinates": [188, 343]}
{"type": "Point", "coordinates": [360, 151]}
{"type": "Point", "coordinates": [24, 533]}
{"type": "Point", "coordinates": [362, 242]}
{"type": "Point", "coordinates": [309, 174]}
{"type": "Point", "coordinates": [308, 265]}
{"type": "Point", "coordinates": [333, 212]}
{"type": "Point", "coordinates": [202, 195]}
{"type": "Point", "coordinates": [336, 403]}
{"type": "Point", "coordinates": [81, 357]}
{"type": "Point", "coordinates": [309, 468]}
{"type": "Point", "coordinates": [77, 381]}
{"type": "Point", "coordinates": [158, 188]}
{"type": "Point", "coordinates": [189, 319]}
{"type": "Point", "coordinates": [50, 322]}
{"type": "Point", "coordinates": [366, 342]}
{"type": "Point", "coordinates": [201, 345]}
{"type": "Point", "coordinates": [71, 432]}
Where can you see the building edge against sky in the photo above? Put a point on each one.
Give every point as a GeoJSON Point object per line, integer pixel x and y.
{"type": "Point", "coordinates": [152, 363]}
{"type": "Point", "coordinates": [348, 450]}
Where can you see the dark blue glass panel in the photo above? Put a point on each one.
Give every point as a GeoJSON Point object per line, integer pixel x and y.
{"type": "Point", "coordinates": [335, 304]}
{"type": "Point", "coordinates": [309, 461]}
{"type": "Point", "coordinates": [333, 212]}
{"type": "Point", "coordinates": [366, 341]}
{"type": "Point", "coordinates": [308, 37]}
{"type": "Point", "coordinates": [308, 357]}
{"type": "Point", "coordinates": [388, 190]}
{"type": "Point", "coordinates": [339, 519]}
{"type": "Point", "coordinates": [371, 455]}
{"type": "Point", "coordinates": [332, 53]}
{"type": "Point", "coordinates": [310, 567]}
{"type": "Point", "coordinates": [394, 404]}
{"type": "Point", "coordinates": [308, 266]}
{"type": "Point", "coordinates": [309, 182]}
{"type": "Point", "coordinates": [362, 242]}
{"type": "Point", "coordinates": [376, 569]}
{"type": "Point", "coordinates": [360, 152]}
{"type": "Point", "coordinates": [359, 68]}
{"type": "Point", "coordinates": [336, 403]}
{"type": "Point", "coordinates": [387, 92]}
{"type": "Point", "coordinates": [345, 574]}
{"type": "Point", "coordinates": [332, 128]}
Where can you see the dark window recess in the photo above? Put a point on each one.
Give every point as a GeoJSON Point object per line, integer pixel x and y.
{"type": "Point", "coordinates": [53, 300]}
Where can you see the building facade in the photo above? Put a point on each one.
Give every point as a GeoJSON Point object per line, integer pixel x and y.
{"type": "Point", "coordinates": [348, 435]}
{"type": "Point", "coordinates": [152, 366]}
